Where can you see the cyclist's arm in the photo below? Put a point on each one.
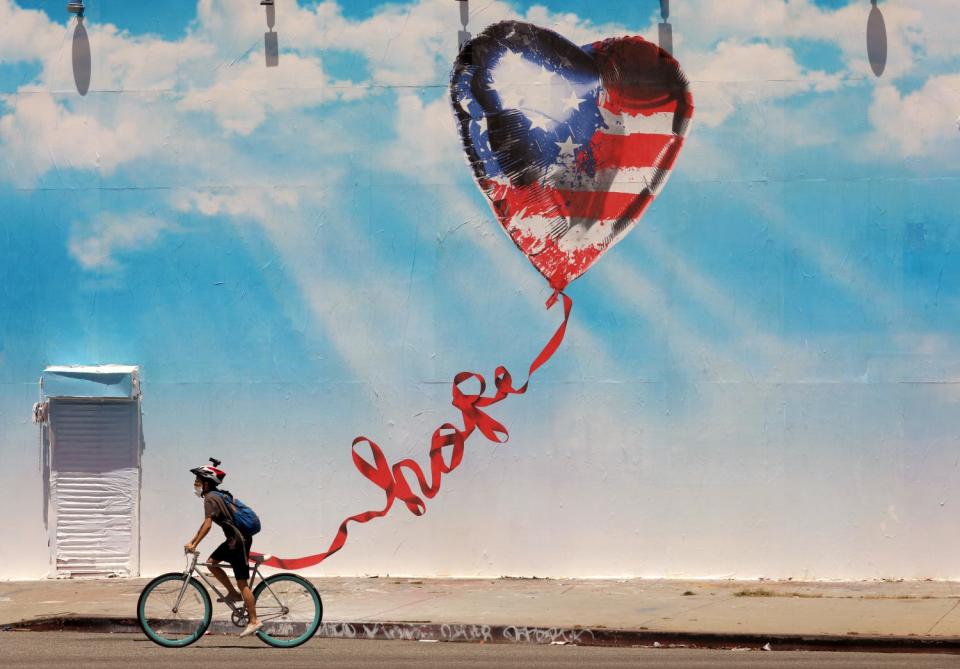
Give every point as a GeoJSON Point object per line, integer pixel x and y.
{"type": "Point", "coordinates": [201, 533]}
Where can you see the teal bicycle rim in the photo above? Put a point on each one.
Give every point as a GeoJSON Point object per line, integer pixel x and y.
{"type": "Point", "coordinates": [195, 601]}
{"type": "Point", "coordinates": [303, 619]}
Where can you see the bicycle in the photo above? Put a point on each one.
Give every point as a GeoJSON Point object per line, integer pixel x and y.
{"type": "Point", "coordinates": [174, 609]}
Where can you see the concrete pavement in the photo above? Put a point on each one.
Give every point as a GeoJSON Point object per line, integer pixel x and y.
{"type": "Point", "coordinates": [122, 651]}
{"type": "Point", "coordinates": [912, 613]}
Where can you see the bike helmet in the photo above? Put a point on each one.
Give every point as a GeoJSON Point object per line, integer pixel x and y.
{"type": "Point", "coordinates": [210, 473]}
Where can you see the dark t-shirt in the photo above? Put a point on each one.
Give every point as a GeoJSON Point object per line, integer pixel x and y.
{"type": "Point", "coordinates": [214, 510]}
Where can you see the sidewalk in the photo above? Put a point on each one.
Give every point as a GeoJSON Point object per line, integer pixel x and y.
{"type": "Point", "coordinates": [920, 614]}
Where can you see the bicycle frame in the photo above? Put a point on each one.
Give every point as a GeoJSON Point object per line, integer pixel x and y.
{"type": "Point", "coordinates": [193, 569]}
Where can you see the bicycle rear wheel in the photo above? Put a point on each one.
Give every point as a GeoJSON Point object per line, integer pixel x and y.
{"type": "Point", "coordinates": [164, 625]}
{"type": "Point", "coordinates": [290, 609]}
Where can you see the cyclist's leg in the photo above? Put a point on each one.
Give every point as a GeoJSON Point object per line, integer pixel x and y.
{"type": "Point", "coordinates": [221, 576]}
{"type": "Point", "coordinates": [247, 594]}
{"type": "Point", "coordinates": [241, 570]}
{"type": "Point", "coordinates": [222, 553]}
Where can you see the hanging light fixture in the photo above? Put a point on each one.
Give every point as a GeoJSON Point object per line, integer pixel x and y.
{"type": "Point", "coordinates": [876, 40]}
{"type": "Point", "coordinates": [80, 56]}
{"type": "Point", "coordinates": [666, 30]}
{"type": "Point", "coordinates": [463, 36]}
{"type": "Point", "coordinates": [271, 44]}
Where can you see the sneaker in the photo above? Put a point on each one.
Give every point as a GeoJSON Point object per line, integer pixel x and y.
{"type": "Point", "coordinates": [234, 597]}
{"type": "Point", "coordinates": [250, 629]}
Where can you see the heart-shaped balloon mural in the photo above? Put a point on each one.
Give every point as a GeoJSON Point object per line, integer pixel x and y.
{"type": "Point", "coordinates": [570, 144]}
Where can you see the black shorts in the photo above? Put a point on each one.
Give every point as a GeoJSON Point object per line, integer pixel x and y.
{"type": "Point", "coordinates": [236, 557]}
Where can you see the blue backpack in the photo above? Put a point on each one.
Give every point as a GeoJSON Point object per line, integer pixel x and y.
{"type": "Point", "coordinates": [244, 518]}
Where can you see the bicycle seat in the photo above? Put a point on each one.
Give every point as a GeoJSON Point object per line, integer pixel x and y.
{"type": "Point", "coordinates": [258, 560]}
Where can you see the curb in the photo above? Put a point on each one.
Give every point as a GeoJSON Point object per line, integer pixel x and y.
{"type": "Point", "coordinates": [522, 634]}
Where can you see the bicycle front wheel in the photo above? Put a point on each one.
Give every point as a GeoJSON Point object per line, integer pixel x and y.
{"type": "Point", "coordinates": [290, 609]}
{"type": "Point", "coordinates": [172, 619]}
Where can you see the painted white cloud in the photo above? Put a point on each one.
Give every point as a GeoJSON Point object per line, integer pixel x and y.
{"type": "Point", "coordinates": [921, 123]}
{"type": "Point", "coordinates": [700, 24]}
{"type": "Point", "coordinates": [272, 208]}
{"type": "Point", "coordinates": [244, 95]}
{"type": "Point", "coordinates": [48, 127]}
{"type": "Point", "coordinates": [39, 134]}
{"type": "Point", "coordinates": [575, 28]}
{"type": "Point", "coordinates": [27, 33]}
{"type": "Point", "coordinates": [122, 62]}
{"type": "Point", "coordinates": [427, 143]}
{"type": "Point", "coordinates": [737, 75]}
{"type": "Point", "coordinates": [95, 244]}
{"type": "Point", "coordinates": [403, 44]}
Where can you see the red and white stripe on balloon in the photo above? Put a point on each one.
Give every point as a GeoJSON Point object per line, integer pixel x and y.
{"type": "Point", "coordinates": [570, 144]}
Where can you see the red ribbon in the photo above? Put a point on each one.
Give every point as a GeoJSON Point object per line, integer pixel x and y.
{"type": "Point", "coordinates": [393, 479]}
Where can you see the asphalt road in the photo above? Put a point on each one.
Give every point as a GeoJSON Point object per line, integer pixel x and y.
{"type": "Point", "coordinates": [68, 649]}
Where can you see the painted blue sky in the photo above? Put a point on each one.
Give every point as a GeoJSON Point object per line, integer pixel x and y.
{"type": "Point", "coordinates": [287, 235]}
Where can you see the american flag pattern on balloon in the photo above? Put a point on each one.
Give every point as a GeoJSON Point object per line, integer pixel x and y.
{"type": "Point", "coordinates": [570, 144]}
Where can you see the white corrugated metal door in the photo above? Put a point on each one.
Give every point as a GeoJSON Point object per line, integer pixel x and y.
{"type": "Point", "coordinates": [95, 487]}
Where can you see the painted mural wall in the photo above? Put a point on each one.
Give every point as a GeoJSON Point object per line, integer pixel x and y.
{"type": "Point", "coordinates": [274, 214]}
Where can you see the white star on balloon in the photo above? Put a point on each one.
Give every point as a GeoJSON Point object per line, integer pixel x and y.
{"type": "Point", "coordinates": [539, 121]}
{"type": "Point", "coordinates": [482, 123]}
{"type": "Point", "coordinates": [511, 98]}
{"type": "Point", "coordinates": [568, 146]}
{"type": "Point", "coordinates": [573, 102]}
{"type": "Point", "coordinates": [547, 77]}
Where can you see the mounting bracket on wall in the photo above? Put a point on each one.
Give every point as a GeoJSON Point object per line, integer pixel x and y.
{"type": "Point", "coordinates": [41, 410]}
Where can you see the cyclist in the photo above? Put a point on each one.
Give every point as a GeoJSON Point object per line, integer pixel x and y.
{"type": "Point", "coordinates": [235, 550]}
